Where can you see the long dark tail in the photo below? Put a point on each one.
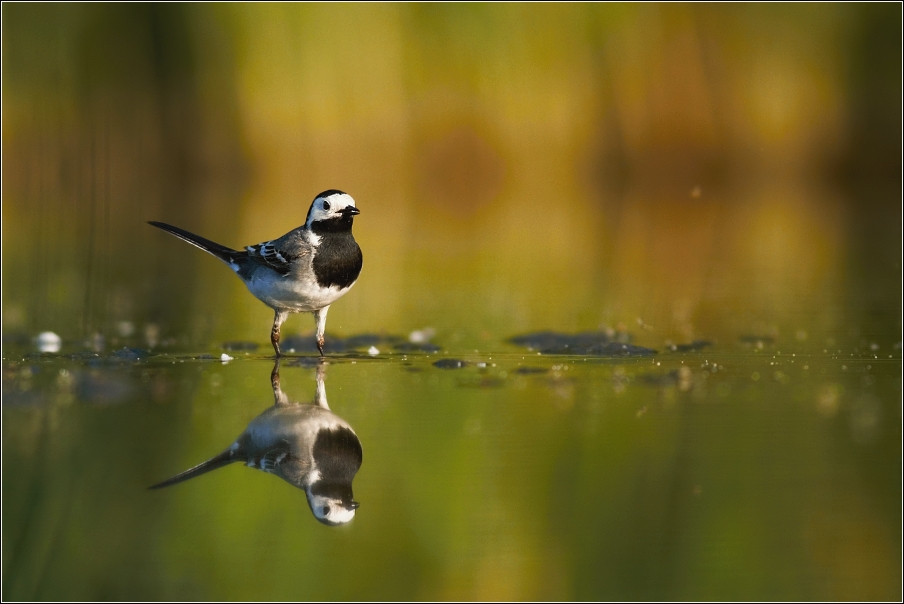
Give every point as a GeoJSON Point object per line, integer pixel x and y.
{"type": "Point", "coordinates": [227, 255]}
{"type": "Point", "coordinates": [223, 459]}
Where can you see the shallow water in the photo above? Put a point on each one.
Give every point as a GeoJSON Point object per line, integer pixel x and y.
{"type": "Point", "coordinates": [719, 184]}
{"type": "Point", "coordinates": [744, 470]}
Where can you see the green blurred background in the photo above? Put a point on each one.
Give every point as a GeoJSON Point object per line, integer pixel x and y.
{"type": "Point", "coordinates": [676, 171]}
{"type": "Point", "coordinates": [518, 166]}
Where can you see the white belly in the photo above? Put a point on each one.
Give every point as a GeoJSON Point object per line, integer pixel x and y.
{"type": "Point", "coordinates": [292, 295]}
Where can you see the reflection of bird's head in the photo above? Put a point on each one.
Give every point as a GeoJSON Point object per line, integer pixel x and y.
{"type": "Point", "coordinates": [332, 511]}
{"type": "Point", "coordinates": [337, 457]}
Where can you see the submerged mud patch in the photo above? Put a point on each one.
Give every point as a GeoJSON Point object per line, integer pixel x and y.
{"type": "Point", "coordinates": [590, 343]}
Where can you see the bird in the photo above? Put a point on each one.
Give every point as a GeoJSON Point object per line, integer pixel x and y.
{"type": "Point", "coordinates": [306, 445]}
{"type": "Point", "coordinates": [305, 270]}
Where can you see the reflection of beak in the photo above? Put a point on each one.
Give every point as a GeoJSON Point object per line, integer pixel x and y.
{"type": "Point", "coordinates": [354, 505]}
{"type": "Point", "coordinates": [349, 211]}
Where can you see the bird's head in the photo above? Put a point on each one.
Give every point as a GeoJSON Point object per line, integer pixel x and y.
{"type": "Point", "coordinates": [332, 210]}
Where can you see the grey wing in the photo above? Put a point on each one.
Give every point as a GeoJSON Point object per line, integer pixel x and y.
{"type": "Point", "coordinates": [280, 461]}
{"type": "Point", "coordinates": [280, 254]}
{"type": "Point", "coordinates": [272, 458]}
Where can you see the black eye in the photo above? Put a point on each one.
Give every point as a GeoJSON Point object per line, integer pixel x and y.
{"type": "Point", "coordinates": [326, 205]}
{"type": "Point", "coordinates": [325, 510]}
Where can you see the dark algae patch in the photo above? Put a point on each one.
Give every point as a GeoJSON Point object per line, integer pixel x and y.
{"type": "Point", "coordinates": [590, 343]}
{"type": "Point", "coordinates": [450, 364]}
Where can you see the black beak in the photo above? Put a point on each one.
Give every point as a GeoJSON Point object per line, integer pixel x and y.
{"type": "Point", "coordinates": [349, 211]}
{"type": "Point", "coordinates": [354, 505]}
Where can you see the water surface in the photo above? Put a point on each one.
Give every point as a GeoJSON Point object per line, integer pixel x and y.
{"type": "Point", "coordinates": [746, 469]}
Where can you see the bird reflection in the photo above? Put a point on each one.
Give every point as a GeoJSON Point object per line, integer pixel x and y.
{"type": "Point", "coordinates": [304, 444]}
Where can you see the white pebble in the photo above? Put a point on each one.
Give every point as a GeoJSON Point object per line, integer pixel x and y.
{"type": "Point", "coordinates": [225, 358]}
{"type": "Point", "coordinates": [373, 351]}
{"type": "Point", "coordinates": [49, 342]}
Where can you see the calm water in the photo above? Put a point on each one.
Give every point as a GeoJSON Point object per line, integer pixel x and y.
{"type": "Point", "coordinates": [749, 469]}
{"type": "Point", "coordinates": [665, 173]}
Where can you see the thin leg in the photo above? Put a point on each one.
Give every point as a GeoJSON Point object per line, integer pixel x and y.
{"type": "Point", "coordinates": [278, 319]}
{"type": "Point", "coordinates": [279, 397]}
{"type": "Point", "coordinates": [320, 401]}
{"type": "Point", "coordinates": [320, 318]}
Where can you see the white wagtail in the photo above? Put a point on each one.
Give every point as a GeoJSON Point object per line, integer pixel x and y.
{"type": "Point", "coordinates": [305, 270]}
{"type": "Point", "coordinates": [305, 445]}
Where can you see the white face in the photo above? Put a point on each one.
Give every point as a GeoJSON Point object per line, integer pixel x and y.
{"type": "Point", "coordinates": [330, 205]}
{"type": "Point", "coordinates": [329, 510]}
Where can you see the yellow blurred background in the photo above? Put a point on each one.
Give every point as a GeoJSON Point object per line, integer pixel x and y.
{"type": "Point", "coordinates": [699, 170]}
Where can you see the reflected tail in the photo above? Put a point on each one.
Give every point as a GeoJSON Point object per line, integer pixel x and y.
{"type": "Point", "coordinates": [223, 459]}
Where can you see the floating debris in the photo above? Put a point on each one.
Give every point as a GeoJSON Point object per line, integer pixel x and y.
{"type": "Point", "coordinates": [450, 364]}
{"type": "Point", "coordinates": [226, 358]}
{"type": "Point", "coordinates": [373, 351]}
{"type": "Point", "coordinates": [48, 341]}
{"type": "Point", "coordinates": [692, 347]}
